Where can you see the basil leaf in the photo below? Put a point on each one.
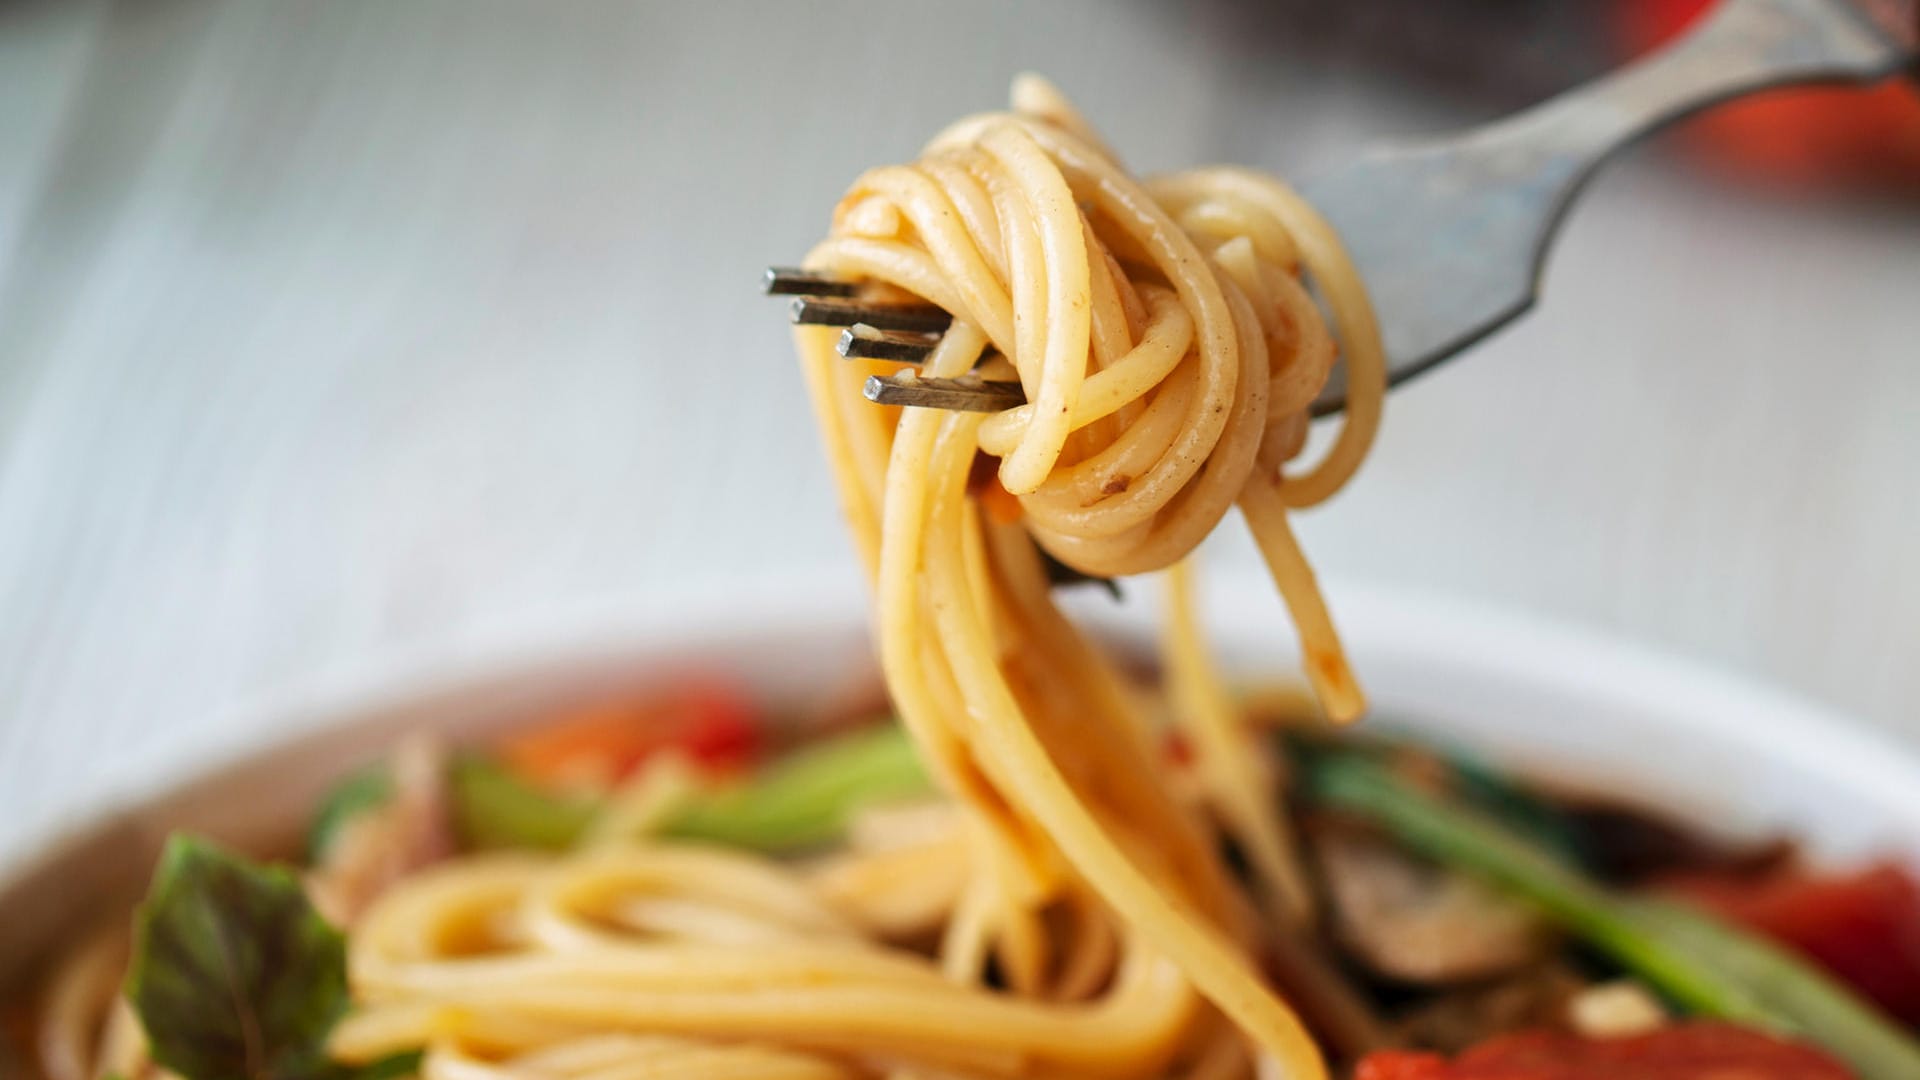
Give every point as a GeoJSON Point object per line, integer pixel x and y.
{"type": "Point", "coordinates": [234, 975]}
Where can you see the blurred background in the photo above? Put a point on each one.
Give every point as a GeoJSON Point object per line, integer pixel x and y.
{"type": "Point", "coordinates": [337, 331]}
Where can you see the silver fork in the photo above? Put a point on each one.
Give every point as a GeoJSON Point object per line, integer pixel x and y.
{"type": "Point", "coordinates": [1451, 235]}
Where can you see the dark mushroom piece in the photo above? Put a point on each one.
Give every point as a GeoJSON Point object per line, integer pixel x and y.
{"type": "Point", "coordinates": [1414, 921]}
{"type": "Point", "coordinates": [1629, 845]}
{"type": "Point", "coordinates": [1468, 1015]}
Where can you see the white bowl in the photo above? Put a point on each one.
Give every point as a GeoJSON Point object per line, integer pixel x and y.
{"type": "Point", "coordinates": [1520, 691]}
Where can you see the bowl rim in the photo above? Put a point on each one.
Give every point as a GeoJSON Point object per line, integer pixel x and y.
{"type": "Point", "coordinates": [405, 688]}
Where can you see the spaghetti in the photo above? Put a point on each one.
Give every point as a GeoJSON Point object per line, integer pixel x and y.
{"type": "Point", "coordinates": [1065, 912]}
{"type": "Point", "coordinates": [1169, 352]}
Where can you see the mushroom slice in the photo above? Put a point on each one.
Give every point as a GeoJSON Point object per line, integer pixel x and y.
{"type": "Point", "coordinates": [1414, 921]}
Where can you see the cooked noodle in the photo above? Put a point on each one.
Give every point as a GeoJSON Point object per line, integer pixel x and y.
{"type": "Point", "coordinates": [1169, 352]}
{"type": "Point", "coordinates": [1066, 911]}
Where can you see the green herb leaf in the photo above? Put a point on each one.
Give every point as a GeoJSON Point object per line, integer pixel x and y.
{"type": "Point", "coordinates": [235, 976]}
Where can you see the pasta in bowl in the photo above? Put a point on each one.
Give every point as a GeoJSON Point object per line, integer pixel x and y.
{"type": "Point", "coordinates": [1028, 854]}
{"type": "Point", "coordinates": [761, 862]}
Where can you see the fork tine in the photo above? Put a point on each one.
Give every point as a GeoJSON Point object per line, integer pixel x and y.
{"type": "Point", "coordinates": [1060, 574]}
{"type": "Point", "coordinates": [861, 341]}
{"type": "Point", "coordinates": [969, 393]}
{"type": "Point", "coordinates": [904, 333]}
{"type": "Point", "coordinates": [792, 281]}
{"type": "Point", "coordinates": [916, 318]}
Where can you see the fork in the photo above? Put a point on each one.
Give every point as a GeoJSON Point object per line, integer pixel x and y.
{"type": "Point", "coordinates": [1451, 235]}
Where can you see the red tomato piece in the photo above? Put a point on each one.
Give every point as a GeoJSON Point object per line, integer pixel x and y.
{"type": "Point", "coordinates": [710, 720]}
{"type": "Point", "coordinates": [1864, 927]}
{"type": "Point", "coordinates": [1803, 137]}
{"type": "Point", "coordinates": [1700, 1051]}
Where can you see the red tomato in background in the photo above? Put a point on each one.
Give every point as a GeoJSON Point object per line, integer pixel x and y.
{"type": "Point", "coordinates": [1815, 137]}
{"type": "Point", "coordinates": [712, 721]}
{"type": "Point", "coordinates": [1685, 1052]}
{"type": "Point", "coordinates": [1864, 927]}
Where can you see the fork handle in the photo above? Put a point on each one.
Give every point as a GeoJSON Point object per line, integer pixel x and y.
{"type": "Point", "coordinates": [1451, 234]}
{"type": "Point", "coordinates": [1743, 46]}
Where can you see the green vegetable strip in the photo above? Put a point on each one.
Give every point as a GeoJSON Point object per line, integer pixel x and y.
{"type": "Point", "coordinates": [1828, 1011]}
{"type": "Point", "coordinates": [802, 800]}
{"type": "Point", "coordinates": [1702, 964]}
{"type": "Point", "coordinates": [493, 808]}
{"type": "Point", "coordinates": [805, 799]}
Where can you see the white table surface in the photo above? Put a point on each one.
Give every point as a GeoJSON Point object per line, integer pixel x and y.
{"type": "Point", "coordinates": [330, 331]}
